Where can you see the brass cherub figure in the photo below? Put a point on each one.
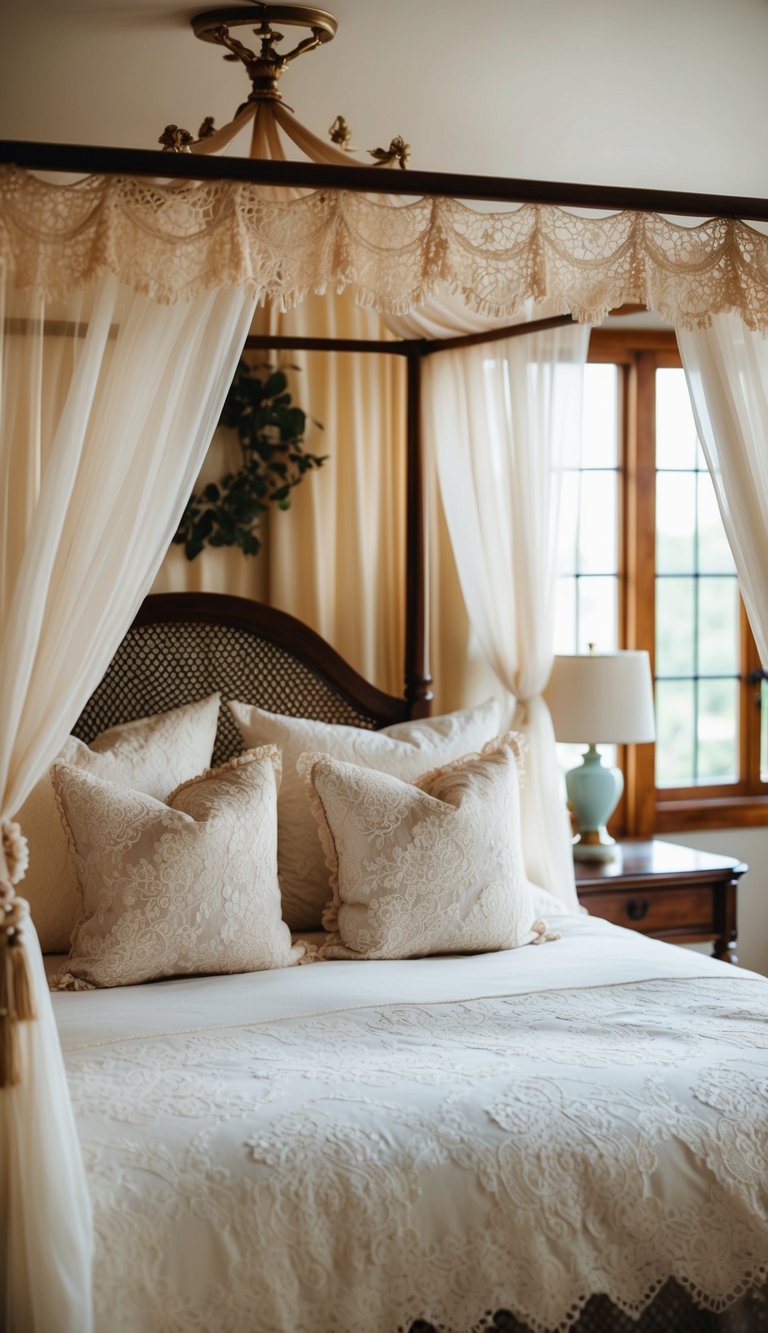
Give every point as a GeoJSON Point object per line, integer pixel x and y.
{"type": "Point", "coordinates": [175, 140]}
{"type": "Point", "coordinates": [268, 61]}
{"type": "Point", "coordinates": [341, 134]}
{"type": "Point", "coordinates": [398, 151]}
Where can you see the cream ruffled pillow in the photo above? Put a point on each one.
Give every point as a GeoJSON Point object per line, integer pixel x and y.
{"type": "Point", "coordinates": [405, 751]}
{"type": "Point", "coordinates": [179, 889]}
{"type": "Point", "coordinates": [151, 755]}
{"type": "Point", "coordinates": [425, 869]}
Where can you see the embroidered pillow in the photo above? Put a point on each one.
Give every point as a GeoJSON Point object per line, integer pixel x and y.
{"type": "Point", "coordinates": [175, 889]}
{"type": "Point", "coordinates": [404, 750]}
{"type": "Point", "coordinates": [425, 869]}
{"type": "Point", "coordinates": [152, 755]}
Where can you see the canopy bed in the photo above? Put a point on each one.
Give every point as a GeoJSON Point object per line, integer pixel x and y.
{"type": "Point", "coordinates": [520, 1138]}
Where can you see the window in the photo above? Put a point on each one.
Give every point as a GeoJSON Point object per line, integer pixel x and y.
{"type": "Point", "coordinates": [588, 587]}
{"type": "Point", "coordinates": [645, 564]}
{"type": "Point", "coordinates": [697, 607]}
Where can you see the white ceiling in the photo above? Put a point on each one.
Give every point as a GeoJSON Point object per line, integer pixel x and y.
{"type": "Point", "coordinates": [663, 94]}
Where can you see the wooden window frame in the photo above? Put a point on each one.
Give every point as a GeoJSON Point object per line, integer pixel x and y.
{"type": "Point", "coordinates": [646, 810]}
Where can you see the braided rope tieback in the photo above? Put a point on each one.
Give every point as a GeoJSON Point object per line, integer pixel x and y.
{"type": "Point", "coordinates": [16, 1004]}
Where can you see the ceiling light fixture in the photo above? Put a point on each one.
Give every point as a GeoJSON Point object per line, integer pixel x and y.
{"type": "Point", "coordinates": [264, 68]}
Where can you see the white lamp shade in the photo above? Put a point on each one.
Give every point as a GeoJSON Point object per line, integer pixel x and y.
{"type": "Point", "coordinates": [602, 697]}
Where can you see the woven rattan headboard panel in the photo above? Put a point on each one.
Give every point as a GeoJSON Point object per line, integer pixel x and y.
{"type": "Point", "coordinates": [184, 646]}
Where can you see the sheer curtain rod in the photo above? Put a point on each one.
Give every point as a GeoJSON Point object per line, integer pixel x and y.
{"type": "Point", "coordinates": [83, 159]}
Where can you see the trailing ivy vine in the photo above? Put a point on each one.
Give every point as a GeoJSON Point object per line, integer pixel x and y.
{"type": "Point", "coordinates": [270, 429]}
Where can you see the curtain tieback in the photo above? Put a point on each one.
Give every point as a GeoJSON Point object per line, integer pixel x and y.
{"type": "Point", "coordinates": [16, 1004]}
{"type": "Point", "coordinates": [524, 706]}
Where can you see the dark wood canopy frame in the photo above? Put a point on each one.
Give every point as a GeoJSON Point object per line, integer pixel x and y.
{"type": "Point", "coordinates": [418, 678]}
{"type": "Point", "coordinates": [85, 159]}
{"type": "Point", "coordinates": [671, 1304]}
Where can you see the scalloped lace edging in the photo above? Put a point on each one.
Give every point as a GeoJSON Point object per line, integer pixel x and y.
{"type": "Point", "coordinates": [173, 244]}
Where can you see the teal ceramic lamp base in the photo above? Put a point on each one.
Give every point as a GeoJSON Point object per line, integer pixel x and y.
{"type": "Point", "coordinates": [593, 792]}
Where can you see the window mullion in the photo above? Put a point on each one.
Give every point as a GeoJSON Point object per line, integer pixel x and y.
{"type": "Point", "coordinates": [640, 527]}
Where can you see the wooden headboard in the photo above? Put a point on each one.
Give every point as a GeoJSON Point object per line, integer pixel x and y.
{"type": "Point", "coordinates": [183, 646]}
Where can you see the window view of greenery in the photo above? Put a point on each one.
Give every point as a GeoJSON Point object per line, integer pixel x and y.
{"type": "Point", "coordinates": [588, 585]}
{"type": "Point", "coordinates": [686, 610]}
{"type": "Point", "coordinates": [697, 607]}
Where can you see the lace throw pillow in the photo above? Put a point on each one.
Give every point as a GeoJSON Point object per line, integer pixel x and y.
{"type": "Point", "coordinates": [404, 750]}
{"type": "Point", "coordinates": [425, 869]}
{"type": "Point", "coordinates": [176, 889]}
{"type": "Point", "coordinates": [152, 755]}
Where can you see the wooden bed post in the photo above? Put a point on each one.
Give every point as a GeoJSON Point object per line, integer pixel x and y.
{"type": "Point", "coordinates": [417, 674]}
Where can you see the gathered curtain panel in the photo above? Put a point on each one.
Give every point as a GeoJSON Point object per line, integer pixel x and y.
{"type": "Point", "coordinates": [503, 421]}
{"type": "Point", "coordinates": [726, 368]}
{"type": "Point", "coordinates": [109, 401]}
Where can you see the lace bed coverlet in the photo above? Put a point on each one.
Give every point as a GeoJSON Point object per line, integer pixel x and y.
{"type": "Point", "coordinates": [351, 1146]}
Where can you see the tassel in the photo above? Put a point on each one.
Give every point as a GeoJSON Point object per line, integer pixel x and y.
{"type": "Point", "coordinates": [23, 1006]}
{"type": "Point", "coordinates": [16, 1003]}
{"type": "Point", "coordinates": [10, 1073]}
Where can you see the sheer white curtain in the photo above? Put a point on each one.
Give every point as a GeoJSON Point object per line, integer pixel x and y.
{"type": "Point", "coordinates": [726, 366]}
{"type": "Point", "coordinates": [503, 420]}
{"type": "Point", "coordinates": [109, 401]}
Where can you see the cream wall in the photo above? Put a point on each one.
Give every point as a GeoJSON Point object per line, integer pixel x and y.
{"type": "Point", "coordinates": [601, 91]}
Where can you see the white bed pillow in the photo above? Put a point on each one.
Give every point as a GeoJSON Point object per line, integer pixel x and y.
{"type": "Point", "coordinates": [178, 889]}
{"type": "Point", "coordinates": [151, 755]}
{"type": "Point", "coordinates": [431, 868]}
{"type": "Point", "coordinates": [404, 750]}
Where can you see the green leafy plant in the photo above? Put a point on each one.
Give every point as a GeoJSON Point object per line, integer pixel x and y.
{"type": "Point", "coordinates": [270, 429]}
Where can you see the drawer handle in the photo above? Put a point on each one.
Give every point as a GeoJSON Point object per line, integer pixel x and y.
{"type": "Point", "coordinates": [637, 911]}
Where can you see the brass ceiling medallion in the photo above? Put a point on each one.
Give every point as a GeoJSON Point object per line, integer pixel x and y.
{"type": "Point", "coordinates": [265, 67]}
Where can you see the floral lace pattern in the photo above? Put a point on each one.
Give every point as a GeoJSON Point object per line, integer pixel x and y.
{"type": "Point", "coordinates": [364, 1169]}
{"type": "Point", "coordinates": [174, 241]}
{"type": "Point", "coordinates": [405, 750]}
{"type": "Point", "coordinates": [435, 868]}
{"type": "Point", "coordinates": [151, 755]}
{"type": "Point", "coordinates": [179, 889]}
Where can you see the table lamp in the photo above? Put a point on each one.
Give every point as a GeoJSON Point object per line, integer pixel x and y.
{"type": "Point", "coordinates": [599, 698]}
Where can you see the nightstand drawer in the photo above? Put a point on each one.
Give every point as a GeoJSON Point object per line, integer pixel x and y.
{"type": "Point", "coordinates": [654, 911]}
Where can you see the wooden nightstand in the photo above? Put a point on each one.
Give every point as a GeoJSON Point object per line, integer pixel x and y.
{"type": "Point", "coordinates": [671, 892]}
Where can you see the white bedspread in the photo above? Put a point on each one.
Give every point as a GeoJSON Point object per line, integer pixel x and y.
{"type": "Point", "coordinates": [349, 1146]}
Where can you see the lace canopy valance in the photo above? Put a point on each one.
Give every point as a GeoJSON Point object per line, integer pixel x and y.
{"type": "Point", "coordinates": [173, 241]}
